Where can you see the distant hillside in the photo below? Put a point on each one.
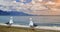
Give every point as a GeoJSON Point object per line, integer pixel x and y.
{"type": "Point", "coordinates": [14, 13]}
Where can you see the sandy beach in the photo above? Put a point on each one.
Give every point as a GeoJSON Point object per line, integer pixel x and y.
{"type": "Point", "coordinates": [38, 27]}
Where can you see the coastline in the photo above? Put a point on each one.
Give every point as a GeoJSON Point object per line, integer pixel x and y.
{"type": "Point", "coordinates": [38, 27]}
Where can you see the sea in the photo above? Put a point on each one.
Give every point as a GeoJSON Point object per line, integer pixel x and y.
{"type": "Point", "coordinates": [43, 20]}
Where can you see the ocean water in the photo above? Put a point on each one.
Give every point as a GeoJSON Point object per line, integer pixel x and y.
{"type": "Point", "coordinates": [39, 20]}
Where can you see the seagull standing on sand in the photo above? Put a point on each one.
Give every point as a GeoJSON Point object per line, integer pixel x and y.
{"type": "Point", "coordinates": [31, 23]}
{"type": "Point", "coordinates": [10, 22]}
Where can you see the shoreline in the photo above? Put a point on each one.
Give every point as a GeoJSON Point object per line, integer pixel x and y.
{"type": "Point", "coordinates": [38, 27]}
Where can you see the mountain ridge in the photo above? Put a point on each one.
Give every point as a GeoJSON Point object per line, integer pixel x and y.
{"type": "Point", "coordinates": [14, 13]}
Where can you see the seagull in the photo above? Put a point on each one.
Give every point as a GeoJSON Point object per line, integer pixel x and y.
{"type": "Point", "coordinates": [10, 22]}
{"type": "Point", "coordinates": [31, 24]}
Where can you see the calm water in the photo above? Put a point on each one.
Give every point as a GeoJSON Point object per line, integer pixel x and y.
{"type": "Point", "coordinates": [40, 20]}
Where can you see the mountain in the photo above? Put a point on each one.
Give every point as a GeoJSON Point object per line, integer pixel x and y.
{"type": "Point", "coordinates": [4, 13]}
{"type": "Point", "coordinates": [14, 13]}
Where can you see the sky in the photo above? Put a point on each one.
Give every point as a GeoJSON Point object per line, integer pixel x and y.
{"type": "Point", "coordinates": [24, 1]}
{"type": "Point", "coordinates": [36, 7]}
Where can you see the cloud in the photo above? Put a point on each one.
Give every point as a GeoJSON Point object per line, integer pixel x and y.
{"type": "Point", "coordinates": [27, 6]}
{"type": "Point", "coordinates": [18, 5]}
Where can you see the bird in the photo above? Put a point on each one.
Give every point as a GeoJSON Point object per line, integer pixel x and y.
{"type": "Point", "coordinates": [10, 22]}
{"type": "Point", "coordinates": [31, 24]}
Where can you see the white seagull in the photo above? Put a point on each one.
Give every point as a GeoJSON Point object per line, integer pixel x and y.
{"type": "Point", "coordinates": [31, 24]}
{"type": "Point", "coordinates": [10, 22]}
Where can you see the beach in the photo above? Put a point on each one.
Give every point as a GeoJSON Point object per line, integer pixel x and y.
{"type": "Point", "coordinates": [54, 28]}
{"type": "Point", "coordinates": [20, 29]}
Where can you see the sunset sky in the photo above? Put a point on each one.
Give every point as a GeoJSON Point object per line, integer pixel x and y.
{"type": "Point", "coordinates": [36, 7]}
